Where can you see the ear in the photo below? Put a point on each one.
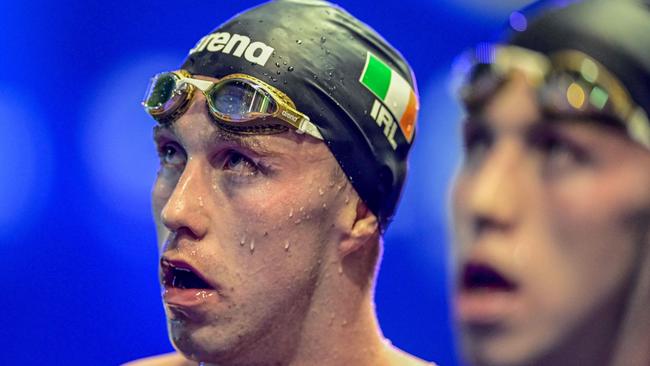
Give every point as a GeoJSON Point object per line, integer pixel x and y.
{"type": "Point", "coordinates": [364, 228]}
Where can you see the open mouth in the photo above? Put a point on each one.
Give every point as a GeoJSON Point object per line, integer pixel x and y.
{"type": "Point", "coordinates": [181, 275]}
{"type": "Point", "coordinates": [477, 277]}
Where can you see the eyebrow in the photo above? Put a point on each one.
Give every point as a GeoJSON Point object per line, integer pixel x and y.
{"type": "Point", "coordinates": [247, 142]}
{"type": "Point", "coordinates": [220, 136]}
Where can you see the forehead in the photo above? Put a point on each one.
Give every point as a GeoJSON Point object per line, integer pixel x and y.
{"type": "Point", "coordinates": [513, 105]}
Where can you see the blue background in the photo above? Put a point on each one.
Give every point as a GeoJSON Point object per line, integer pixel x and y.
{"type": "Point", "coordinates": [77, 246]}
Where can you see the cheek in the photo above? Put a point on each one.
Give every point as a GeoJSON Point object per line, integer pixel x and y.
{"type": "Point", "coordinates": [278, 227]}
{"type": "Point", "coordinates": [460, 218]}
{"type": "Point", "coordinates": [160, 194]}
{"type": "Point", "coordinates": [590, 249]}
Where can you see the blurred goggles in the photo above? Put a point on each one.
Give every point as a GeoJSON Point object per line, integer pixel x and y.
{"type": "Point", "coordinates": [238, 102]}
{"type": "Point", "coordinates": [569, 84]}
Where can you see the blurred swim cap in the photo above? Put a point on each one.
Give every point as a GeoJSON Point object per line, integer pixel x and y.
{"type": "Point", "coordinates": [614, 32]}
{"type": "Point", "coordinates": [356, 88]}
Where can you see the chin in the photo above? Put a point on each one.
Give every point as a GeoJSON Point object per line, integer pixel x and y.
{"type": "Point", "coordinates": [504, 350]}
{"type": "Point", "coordinates": [201, 343]}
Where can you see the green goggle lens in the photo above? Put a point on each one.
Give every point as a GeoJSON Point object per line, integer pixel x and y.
{"type": "Point", "coordinates": [161, 91]}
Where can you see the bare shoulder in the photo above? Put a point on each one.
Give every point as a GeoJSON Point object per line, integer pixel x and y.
{"type": "Point", "coordinates": [401, 358]}
{"type": "Point", "coordinates": [170, 359]}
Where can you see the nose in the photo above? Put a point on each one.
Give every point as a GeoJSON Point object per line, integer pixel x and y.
{"type": "Point", "coordinates": [496, 191]}
{"type": "Point", "coordinates": [184, 211]}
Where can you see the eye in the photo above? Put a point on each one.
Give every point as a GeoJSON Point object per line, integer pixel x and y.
{"type": "Point", "coordinates": [239, 164]}
{"type": "Point", "coordinates": [559, 152]}
{"type": "Point", "coordinates": [477, 140]}
{"type": "Point", "coordinates": [171, 155]}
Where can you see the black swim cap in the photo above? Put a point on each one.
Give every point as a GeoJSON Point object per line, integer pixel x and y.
{"type": "Point", "coordinates": [614, 32]}
{"type": "Point", "coordinates": [352, 84]}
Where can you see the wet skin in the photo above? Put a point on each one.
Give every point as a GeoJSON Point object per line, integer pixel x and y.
{"type": "Point", "coordinates": [281, 250]}
{"type": "Point", "coordinates": [560, 213]}
{"type": "Point", "coordinates": [254, 216]}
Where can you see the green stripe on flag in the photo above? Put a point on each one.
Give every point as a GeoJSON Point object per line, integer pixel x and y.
{"type": "Point", "coordinates": [376, 76]}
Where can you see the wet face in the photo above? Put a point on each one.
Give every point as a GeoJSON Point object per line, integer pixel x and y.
{"type": "Point", "coordinates": [246, 225]}
{"type": "Point", "coordinates": [549, 220]}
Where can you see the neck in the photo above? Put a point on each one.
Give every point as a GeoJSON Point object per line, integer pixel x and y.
{"type": "Point", "coordinates": [341, 326]}
{"type": "Point", "coordinates": [338, 327]}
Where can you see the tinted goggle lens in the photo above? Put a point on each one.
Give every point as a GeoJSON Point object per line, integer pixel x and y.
{"type": "Point", "coordinates": [239, 100]}
{"type": "Point", "coordinates": [165, 94]}
{"type": "Point", "coordinates": [569, 92]}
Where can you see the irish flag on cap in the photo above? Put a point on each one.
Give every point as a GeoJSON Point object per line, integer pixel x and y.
{"type": "Point", "coordinates": [393, 90]}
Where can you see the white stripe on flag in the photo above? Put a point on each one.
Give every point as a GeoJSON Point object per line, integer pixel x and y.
{"type": "Point", "coordinates": [397, 98]}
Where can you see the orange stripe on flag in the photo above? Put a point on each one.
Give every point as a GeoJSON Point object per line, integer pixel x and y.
{"type": "Point", "coordinates": [407, 123]}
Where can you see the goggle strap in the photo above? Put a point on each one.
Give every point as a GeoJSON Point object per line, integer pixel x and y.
{"type": "Point", "coordinates": [203, 85]}
{"type": "Point", "coordinates": [638, 127]}
{"type": "Point", "coordinates": [306, 126]}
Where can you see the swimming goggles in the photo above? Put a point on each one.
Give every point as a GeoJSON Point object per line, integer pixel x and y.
{"type": "Point", "coordinates": [238, 102]}
{"type": "Point", "coordinates": [569, 84]}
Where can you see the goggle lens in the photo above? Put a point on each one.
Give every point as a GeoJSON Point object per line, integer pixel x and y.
{"type": "Point", "coordinates": [563, 92]}
{"type": "Point", "coordinates": [164, 94]}
{"type": "Point", "coordinates": [568, 92]}
{"type": "Point", "coordinates": [239, 101]}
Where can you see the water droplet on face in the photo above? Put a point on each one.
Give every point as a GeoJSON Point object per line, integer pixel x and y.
{"type": "Point", "coordinates": [278, 72]}
{"type": "Point", "coordinates": [286, 246]}
{"type": "Point", "coordinates": [323, 39]}
{"type": "Point", "coordinates": [290, 68]}
{"type": "Point", "coordinates": [277, 64]}
{"type": "Point", "coordinates": [200, 201]}
{"type": "Point", "coordinates": [298, 41]}
{"type": "Point", "coordinates": [204, 294]}
{"type": "Point", "coordinates": [320, 191]}
{"type": "Point", "coordinates": [266, 233]}
{"type": "Point", "coordinates": [284, 63]}
{"type": "Point", "coordinates": [298, 221]}
{"type": "Point", "coordinates": [324, 205]}
{"type": "Point", "coordinates": [347, 199]}
{"type": "Point", "coordinates": [252, 247]}
{"type": "Point", "coordinates": [301, 209]}
{"type": "Point", "coordinates": [242, 241]}
{"type": "Point", "coordinates": [291, 213]}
